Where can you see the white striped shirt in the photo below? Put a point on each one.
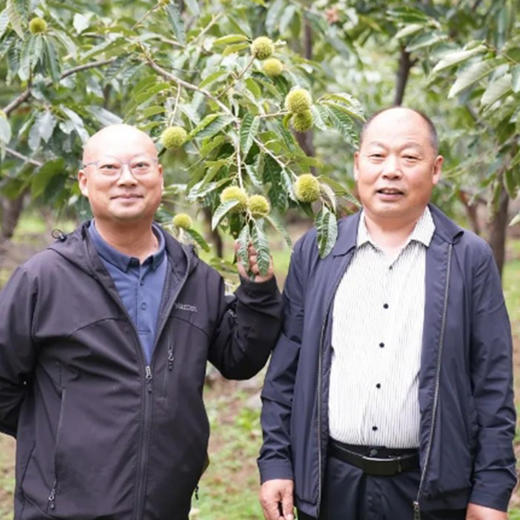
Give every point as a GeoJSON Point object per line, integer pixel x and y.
{"type": "Point", "coordinates": [377, 328]}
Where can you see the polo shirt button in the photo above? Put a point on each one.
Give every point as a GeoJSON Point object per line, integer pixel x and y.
{"type": "Point", "coordinates": [381, 345]}
{"type": "Point", "coordinates": [374, 428]}
{"type": "Point", "coordinates": [143, 306]}
{"type": "Point", "coordinates": [385, 306]}
{"type": "Point", "coordinates": [378, 385]}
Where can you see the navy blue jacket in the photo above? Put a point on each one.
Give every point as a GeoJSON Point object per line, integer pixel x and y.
{"type": "Point", "coordinates": [465, 381]}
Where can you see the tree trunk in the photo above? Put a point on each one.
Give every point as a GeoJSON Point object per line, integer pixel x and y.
{"type": "Point", "coordinates": [471, 211]}
{"type": "Point", "coordinates": [11, 211]}
{"type": "Point", "coordinates": [405, 64]}
{"type": "Point", "coordinates": [497, 230]}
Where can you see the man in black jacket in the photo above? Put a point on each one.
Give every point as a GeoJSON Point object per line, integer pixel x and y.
{"type": "Point", "coordinates": [104, 338]}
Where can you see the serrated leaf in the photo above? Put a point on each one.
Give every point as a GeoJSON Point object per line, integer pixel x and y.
{"type": "Point", "coordinates": [347, 104]}
{"type": "Point", "coordinates": [277, 192]}
{"type": "Point", "coordinates": [248, 131]}
{"type": "Point", "coordinates": [425, 40]}
{"type": "Point", "coordinates": [408, 15]}
{"type": "Point", "coordinates": [457, 57]}
{"type": "Point", "coordinates": [327, 229]}
{"type": "Point", "coordinates": [255, 180]}
{"type": "Point", "coordinates": [152, 111]}
{"type": "Point", "coordinates": [104, 116]}
{"type": "Point", "coordinates": [230, 38]}
{"type": "Point", "coordinates": [496, 90]}
{"type": "Point", "coordinates": [253, 87]}
{"type": "Point", "coordinates": [198, 238]}
{"type": "Point", "coordinates": [76, 122]}
{"type": "Point", "coordinates": [210, 125]}
{"type": "Point", "coordinates": [471, 75]}
{"type": "Point", "coordinates": [15, 18]}
{"type": "Point", "coordinates": [236, 47]}
{"type": "Point", "coordinates": [273, 15]}
{"type": "Point", "coordinates": [261, 245]}
{"type": "Point", "coordinates": [46, 122]}
{"type": "Point", "coordinates": [329, 196]}
{"type": "Point", "coordinates": [34, 137]}
{"type": "Point", "coordinates": [5, 130]}
{"type": "Point", "coordinates": [408, 29]}
{"type": "Point", "coordinates": [201, 190]}
{"type": "Point", "coordinates": [66, 42]}
{"type": "Point", "coordinates": [222, 211]}
{"type": "Point", "coordinates": [343, 123]}
{"type": "Point", "coordinates": [243, 247]}
{"type": "Point", "coordinates": [53, 63]}
{"type": "Point", "coordinates": [4, 21]}
{"type": "Point", "coordinates": [280, 227]}
{"type": "Point", "coordinates": [175, 17]}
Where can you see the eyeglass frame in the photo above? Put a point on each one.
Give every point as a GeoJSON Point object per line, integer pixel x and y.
{"type": "Point", "coordinates": [122, 165]}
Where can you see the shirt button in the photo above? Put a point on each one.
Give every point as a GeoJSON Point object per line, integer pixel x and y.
{"type": "Point", "coordinates": [378, 385]}
{"type": "Point", "coordinates": [385, 306]}
{"type": "Point", "coordinates": [143, 306]}
{"type": "Point", "coordinates": [374, 428]}
{"type": "Point", "coordinates": [381, 345]}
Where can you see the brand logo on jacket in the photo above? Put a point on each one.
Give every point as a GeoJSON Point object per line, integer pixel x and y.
{"type": "Point", "coordinates": [186, 307]}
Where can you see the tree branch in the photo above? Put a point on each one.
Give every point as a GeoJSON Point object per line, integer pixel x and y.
{"type": "Point", "coordinates": [24, 158]}
{"type": "Point", "coordinates": [28, 93]}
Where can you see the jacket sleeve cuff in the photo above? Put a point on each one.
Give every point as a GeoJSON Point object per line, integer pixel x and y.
{"type": "Point", "coordinates": [498, 500]}
{"type": "Point", "coordinates": [252, 288]}
{"type": "Point", "coordinates": [275, 469]}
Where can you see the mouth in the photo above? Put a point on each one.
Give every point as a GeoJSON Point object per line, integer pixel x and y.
{"type": "Point", "coordinates": [390, 191]}
{"type": "Point", "coordinates": [127, 196]}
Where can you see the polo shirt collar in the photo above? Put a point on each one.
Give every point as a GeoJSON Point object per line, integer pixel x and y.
{"type": "Point", "coordinates": [422, 232]}
{"type": "Point", "coordinates": [120, 260]}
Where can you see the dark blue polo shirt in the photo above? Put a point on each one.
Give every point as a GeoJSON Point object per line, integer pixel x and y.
{"type": "Point", "coordinates": [139, 286]}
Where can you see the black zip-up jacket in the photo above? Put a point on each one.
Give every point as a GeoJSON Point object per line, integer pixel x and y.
{"type": "Point", "coordinates": [101, 435]}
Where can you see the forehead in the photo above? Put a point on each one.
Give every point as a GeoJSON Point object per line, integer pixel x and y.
{"type": "Point", "coordinates": [121, 145]}
{"type": "Point", "coordinates": [397, 127]}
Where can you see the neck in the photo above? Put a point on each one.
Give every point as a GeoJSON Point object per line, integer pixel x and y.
{"type": "Point", "coordinates": [135, 239]}
{"type": "Point", "coordinates": [390, 233]}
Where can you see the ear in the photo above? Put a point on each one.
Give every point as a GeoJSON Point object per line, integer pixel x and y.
{"type": "Point", "coordinates": [83, 183]}
{"type": "Point", "coordinates": [160, 170]}
{"type": "Point", "coordinates": [437, 169]}
{"type": "Point", "coordinates": [356, 168]}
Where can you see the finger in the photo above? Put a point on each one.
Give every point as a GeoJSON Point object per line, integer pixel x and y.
{"type": "Point", "coordinates": [271, 511]}
{"type": "Point", "coordinates": [287, 504]}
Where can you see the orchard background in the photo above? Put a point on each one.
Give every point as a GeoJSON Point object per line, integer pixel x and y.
{"type": "Point", "coordinates": [255, 106]}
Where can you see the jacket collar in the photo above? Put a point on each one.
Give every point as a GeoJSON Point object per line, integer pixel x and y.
{"type": "Point", "coordinates": [445, 228]}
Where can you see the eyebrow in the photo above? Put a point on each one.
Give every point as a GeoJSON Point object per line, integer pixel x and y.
{"type": "Point", "coordinates": [407, 144]}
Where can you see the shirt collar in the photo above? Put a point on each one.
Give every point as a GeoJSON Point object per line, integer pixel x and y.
{"type": "Point", "coordinates": [120, 260]}
{"type": "Point", "coordinates": [422, 232]}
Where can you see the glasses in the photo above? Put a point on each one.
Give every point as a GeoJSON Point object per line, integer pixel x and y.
{"type": "Point", "coordinates": [113, 168]}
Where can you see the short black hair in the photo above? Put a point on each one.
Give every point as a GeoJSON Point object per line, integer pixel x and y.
{"type": "Point", "coordinates": [431, 127]}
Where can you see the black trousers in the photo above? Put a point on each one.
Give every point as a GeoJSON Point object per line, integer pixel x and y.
{"type": "Point", "coordinates": [349, 494]}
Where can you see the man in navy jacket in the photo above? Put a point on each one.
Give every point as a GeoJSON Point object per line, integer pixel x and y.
{"type": "Point", "coordinates": [389, 393]}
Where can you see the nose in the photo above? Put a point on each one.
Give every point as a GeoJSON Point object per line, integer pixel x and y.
{"type": "Point", "coordinates": [126, 177]}
{"type": "Point", "coordinates": [391, 167]}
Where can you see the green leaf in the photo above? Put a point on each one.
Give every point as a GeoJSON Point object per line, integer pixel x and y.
{"type": "Point", "coordinates": [4, 21]}
{"type": "Point", "coordinates": [175, 17]}
{"type": "Point", "coordinates": [193, 7]}
{"type": "Point", "coordinates": [286, 18]}
{"type": "Point", "coordinates": [208, 80]}
{"type": "Point", "coordinates": [457, 57]}
{"type": "Point", "coordinates": [470, 75]}
{"type": "Point", "coordinates": [152, 111]}
{"type": "Point", "coordinates": [347, 104]}
{"type": "Point", "coordinates": [67, 43]}
{"type": "Point", "coordinates": [243, 247]}
{"type": "Point", "coordinates": [44, 175]}
{"type": "Point", "coordinates": [5, 130]}
{"type": "Point", "coordinates": [147, 94]}
{"type": "Point", "coordinates": [255, 180]}
{"type": "Point", "coordinates": [515, 82]}
{"type": "Point", "coordinates": [80, 22]}
{"type": "Point", "coordinates": [515, 220]}
{"type": "Point", "coordinates": [248, 131]}
{"type": "Point", "coordinates": [104, 116]}
{"type": "Point", "coordinates": [273, 15]}
{"type": "Point", "coordinates": [327, 229]}
{"type": "Point", "coordinates": [496, 90]}
{"type": "Point", "coordinates": [236, 47]}
{"type": "Point", "coordinates": [15, 18]}
{"type": "Point", "coordinates": [230, 38]}
{"type": "Point", "coordinates": [408, 29]}
{"type": "Point", "coordinates": [512, 181]}
{"type": "Point", "coordinates": [253, 87]}
{"type": "Point", "coordinates": [222, 211]}
{"type": "Point", "coordinates": [34, 137]}
{"type": "Point", "coordinates": [280, 227]}
{"type": "Point", "coordinates": [407, 15]}
{"type": "Point", "coordinates": [198, 238]}
{"type": "Point", "coordinates": [277, 191]}
{"type": "Point", "coordinates": [53, 63]}
{"type": "Point", "coordinates": [46, 122]}
{"type": "Point", "coordinates": [261, 245]}
{"type": "Point", "coordinates": [210, 125]}
{"type": "Point", "coordinates": [344, 124]}
{"type": "Point", "coordinates": [425, 40]}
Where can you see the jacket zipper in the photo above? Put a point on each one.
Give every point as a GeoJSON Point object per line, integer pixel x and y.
{"type": "Point", "coordinates": [52, 497]}
{"type": "Point", "coordinates": [416, 505]}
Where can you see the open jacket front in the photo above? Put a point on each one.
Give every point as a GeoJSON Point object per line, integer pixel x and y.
{"type": "Point", "coordinates": [100, 434]}
{"type": "Point", "coordinates": [465, 381]}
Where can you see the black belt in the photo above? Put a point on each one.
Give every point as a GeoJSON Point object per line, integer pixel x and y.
{"type": "Point", "coordinates": [376, 461]}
